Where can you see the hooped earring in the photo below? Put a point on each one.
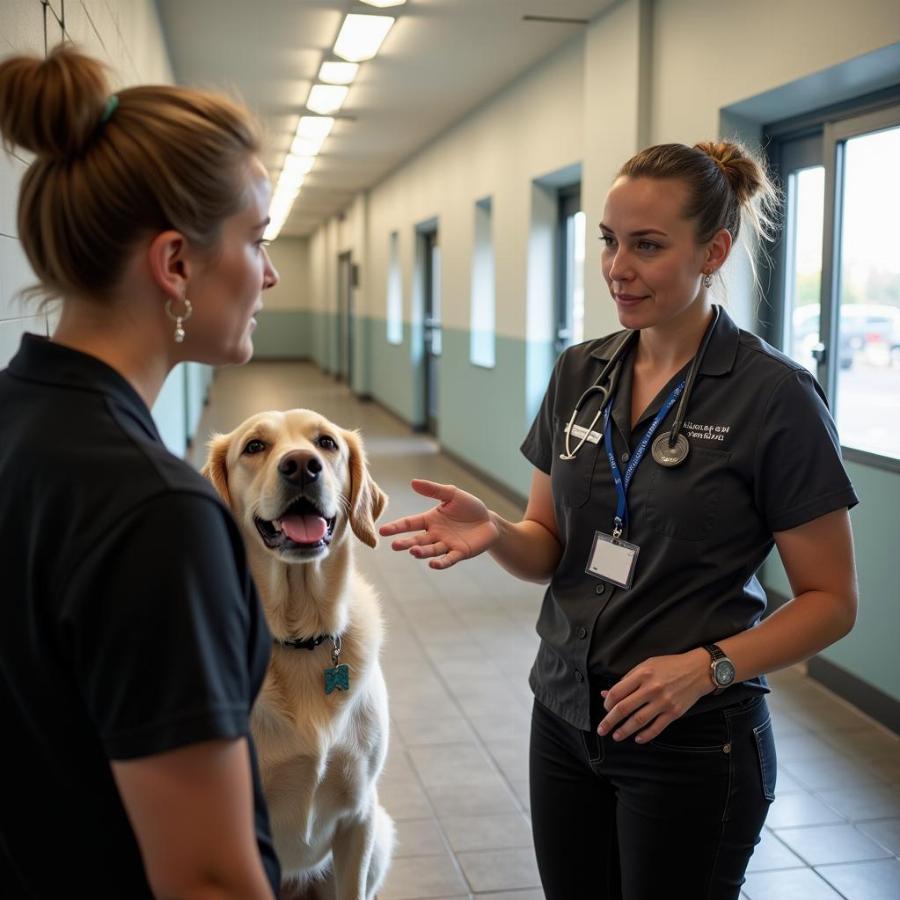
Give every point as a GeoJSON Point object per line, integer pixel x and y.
{"type": "Point", "coordinates": [707, 280]}
{"type": "Point", "coordinates": [179, 320]}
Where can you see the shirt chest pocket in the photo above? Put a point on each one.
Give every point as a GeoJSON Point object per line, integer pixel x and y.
{"type": "Point", "coordinates": [685, 501]}
{"type": "Point", "coordinates": [571, 478]}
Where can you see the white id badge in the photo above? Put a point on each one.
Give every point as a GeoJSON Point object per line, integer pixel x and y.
{"type": "Point", "coordinates": [613, 560]}
{"type": "Point", "coordinates": [579, 432]}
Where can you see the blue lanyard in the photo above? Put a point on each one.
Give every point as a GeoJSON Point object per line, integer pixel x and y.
{"type": "Point", "coordinates": [623, 483]}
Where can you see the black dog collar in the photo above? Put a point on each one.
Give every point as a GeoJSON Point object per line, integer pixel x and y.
{"type": "Point", "coordinates": [307, 644]}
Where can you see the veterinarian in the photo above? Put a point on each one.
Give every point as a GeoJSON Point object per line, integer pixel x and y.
{"type": "Point", "coordinates": [132, 642]}
{"type": "Point", "coordinates": [668, 460]}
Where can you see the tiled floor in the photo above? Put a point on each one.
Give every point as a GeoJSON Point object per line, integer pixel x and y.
{"type": "Point", "coordinates": [460, 644]}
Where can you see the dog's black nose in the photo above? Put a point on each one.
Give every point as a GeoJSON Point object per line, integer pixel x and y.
{"type": "Point", "coordinates": [300, 467]}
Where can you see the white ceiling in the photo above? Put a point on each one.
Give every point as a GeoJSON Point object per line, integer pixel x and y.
{"type": "Point", "coordinates": [441, 59]}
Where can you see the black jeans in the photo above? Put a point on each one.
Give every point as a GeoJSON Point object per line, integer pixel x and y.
{"type": "Point", "coordinates": [677, 817]}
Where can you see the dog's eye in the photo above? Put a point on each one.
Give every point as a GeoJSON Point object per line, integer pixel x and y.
{"type": "Point", "coordinates": [327, 443]}
{"type": "Point", "coordinates": [254, 446]}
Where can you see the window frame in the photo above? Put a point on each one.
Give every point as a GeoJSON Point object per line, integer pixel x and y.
{"type": "Point", "coordinates": [568, 204]}
{"type": "Point", "coordinates": [833, 126]}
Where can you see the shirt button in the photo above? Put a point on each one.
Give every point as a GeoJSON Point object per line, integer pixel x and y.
{"type": "Point", "coordinates": [600, 589]}
{"type": "Point", "coordinates": [578, 676]}
{"type": "Point", "coordinates": [625, 456]}
{"type": "Point", "coordinates": [582, 633]}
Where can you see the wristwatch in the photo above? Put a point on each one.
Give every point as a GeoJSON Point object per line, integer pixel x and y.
{"type": "Point", "coordinates": [721, 668]}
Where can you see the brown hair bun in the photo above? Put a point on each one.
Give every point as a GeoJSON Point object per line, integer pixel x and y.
{"type": "Point", "coordinates": [52, 107]}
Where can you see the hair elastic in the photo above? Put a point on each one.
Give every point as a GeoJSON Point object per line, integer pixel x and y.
{"type": "Point", "coordinates": [111, 103]}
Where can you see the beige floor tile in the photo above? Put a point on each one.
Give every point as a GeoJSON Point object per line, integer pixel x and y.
{"type": "Point", "coordinates": [885, 831]}
{"type": "Point", "coordinates": [788, 884]}
{"type": "Point", "coordinates": [878, 880]}
{"type": "Point", "coordinates": [826, 844]}
{"type": "Point", "coordinates": [796, 810]}
{"type": "Point", "coordinates": [497, 870]}
{"type": "Point", "coordinates": [868, 801]}
{"type": "Point", "coordinates": [458, 800]}
{"type": "Point", "coordinates": [487, 832]}
{"type": "Point", "coordinates": [423, 877]}
{"type": "Point", "coordinates": [453, 764]}
{"type": "Point", "coordinates": [771, 853]}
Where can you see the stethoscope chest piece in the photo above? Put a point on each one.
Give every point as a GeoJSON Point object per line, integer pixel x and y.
{"type": "Point", "coordinates": [670, 456]}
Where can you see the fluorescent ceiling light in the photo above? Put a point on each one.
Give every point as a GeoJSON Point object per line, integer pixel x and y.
{"type": "Point", "coordinates": [382, 4]}
{"type": "Point", "coordinates": [302, 146]}
{"type": "Point", "coordinates": [361, 36]}
{"type": "Point", "coordinates": [338, 72]}
{"type": "Point", "coordinates": [326, 98]}
{"type": "Point", "coordinates": [297, 165]}
{"type": "Point", "coordinates": [314, 127]}
{"type": "Point", "coordinates": [289, 183]}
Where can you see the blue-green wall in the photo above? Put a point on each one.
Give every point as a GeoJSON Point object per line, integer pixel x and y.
{"type": "Point", "coordinates": [870, 651]}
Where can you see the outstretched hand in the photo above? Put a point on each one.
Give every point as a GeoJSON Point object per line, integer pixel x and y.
{"type": "Point", "coordinates": [460, 527]}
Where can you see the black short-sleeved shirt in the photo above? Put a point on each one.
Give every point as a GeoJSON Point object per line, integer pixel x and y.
{"type": "Point", "coordinates": [129, 624]}
{"type": "Point", "coordinates": [764, 457]}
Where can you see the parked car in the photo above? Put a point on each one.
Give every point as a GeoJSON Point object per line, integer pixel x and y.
{"type": "Point", "coordinates": [862, 326]}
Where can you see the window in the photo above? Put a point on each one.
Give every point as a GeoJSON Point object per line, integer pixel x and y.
{"type": "Point", "coordinates": [482, 350]}
{"type": "Point", "coordinates": [839, 270]}
{"type": "Point", "coordinates": [570, 269]}
{"type": "Point", "coordinates": [394, 293]}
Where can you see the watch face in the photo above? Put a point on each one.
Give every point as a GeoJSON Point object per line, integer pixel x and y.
{"type": "Point", "coordinates": [724, 672]}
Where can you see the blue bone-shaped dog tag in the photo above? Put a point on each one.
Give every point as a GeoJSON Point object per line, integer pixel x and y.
{"type": "Point", "coordinates": [337, 678]}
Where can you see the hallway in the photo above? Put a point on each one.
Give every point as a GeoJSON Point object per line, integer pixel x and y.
{"type": "Point", "coordinates": [459, 647]}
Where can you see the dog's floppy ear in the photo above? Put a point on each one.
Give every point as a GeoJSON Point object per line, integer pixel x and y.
{"type": "Point", "coordinates": [215, 468]}
{"type": "Point", "coordinates": [367, 500]}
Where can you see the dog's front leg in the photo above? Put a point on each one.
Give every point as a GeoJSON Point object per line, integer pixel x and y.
{"type": "Point", "coordinates": [354, 840]}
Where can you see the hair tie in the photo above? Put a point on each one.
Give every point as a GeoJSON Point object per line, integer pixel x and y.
{"type": "Point", "coordinates": [111, 103]}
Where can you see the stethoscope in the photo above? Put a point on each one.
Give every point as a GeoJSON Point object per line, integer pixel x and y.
{"type": "Point", "coordinates": [669, 449]}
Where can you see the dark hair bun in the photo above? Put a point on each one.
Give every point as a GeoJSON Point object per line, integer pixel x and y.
{"type": "Point", "coordinates": [745, 175]}
{"type": "Point", "coordinates": [52, 107]}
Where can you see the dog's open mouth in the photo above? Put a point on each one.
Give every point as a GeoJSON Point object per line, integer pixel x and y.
{"type": "Point", "coordinates": [301, 527]}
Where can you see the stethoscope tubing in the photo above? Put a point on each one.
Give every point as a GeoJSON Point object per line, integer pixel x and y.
{"type": "Point", "coordinates": [612, 370]}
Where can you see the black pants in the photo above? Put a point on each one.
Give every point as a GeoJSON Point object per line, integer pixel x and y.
{"type": "Point", "coordinates": [677, 817]}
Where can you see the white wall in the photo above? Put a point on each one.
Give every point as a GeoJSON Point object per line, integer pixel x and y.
{"type": "Point", "coordinates": [290, 256]}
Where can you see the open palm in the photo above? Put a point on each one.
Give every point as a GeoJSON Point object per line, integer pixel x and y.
{"type": "Point", "coordinates": [460, 527]}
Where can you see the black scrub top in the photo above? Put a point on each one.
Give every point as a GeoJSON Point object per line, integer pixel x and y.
{"type": "Point", "coordinates": [764, 457]}
{"type": "Point", "coordinates": [129, 624]}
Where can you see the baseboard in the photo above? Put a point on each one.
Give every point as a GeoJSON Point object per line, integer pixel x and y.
{"type": "Point", "coordinates": [864, 696]}
{"type": "Point", "coordinates": [495, 484]}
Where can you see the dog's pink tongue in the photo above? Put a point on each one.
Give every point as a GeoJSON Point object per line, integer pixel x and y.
{"type": "Point", "coordinates": [304, 529]}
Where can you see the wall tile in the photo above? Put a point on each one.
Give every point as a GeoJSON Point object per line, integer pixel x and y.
{"type": "Point", "coordinates": [11, 331]}
{"type": "Point", "coordinates": [21, 26]}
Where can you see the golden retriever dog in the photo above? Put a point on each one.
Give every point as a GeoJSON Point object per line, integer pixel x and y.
{"type": "Point", "coordinates": [300, 490]}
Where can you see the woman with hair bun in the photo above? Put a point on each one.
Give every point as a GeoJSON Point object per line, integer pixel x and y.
{"type": "Point", "coordinates": [669, 458]}
{"type": "Point", "coordinates": [132, 642]}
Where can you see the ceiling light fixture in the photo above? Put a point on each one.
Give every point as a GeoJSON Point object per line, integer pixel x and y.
{"type": "Point", "coordinates": [314, 128]}
{"type": "Point", "coordinates": [338, 72]}
{"type": "Point", "coordinates": [326, 98]}
{"type": "Point", "coordinates": [361, 36]}
{"type": "Point", "coordinates": [297, 165]}
{"type": "Point", "coordinates": [306, 146]}
{"type": "Point", "coordinates": [383, 4]}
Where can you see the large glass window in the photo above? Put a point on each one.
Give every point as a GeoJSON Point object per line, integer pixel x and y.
{"type": "Point", "coordinates": [570, 267]}
{"type": "Point", "coordinates": [804, 195]}
{"type": "Point", "coordinates": [868, 289]}
{"type": "Point", "coordinates": [394, 293]}
{"type": "Point", "coordinates": [482, 350]}
{"type": "Point", "coordinates": [840, 270]}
